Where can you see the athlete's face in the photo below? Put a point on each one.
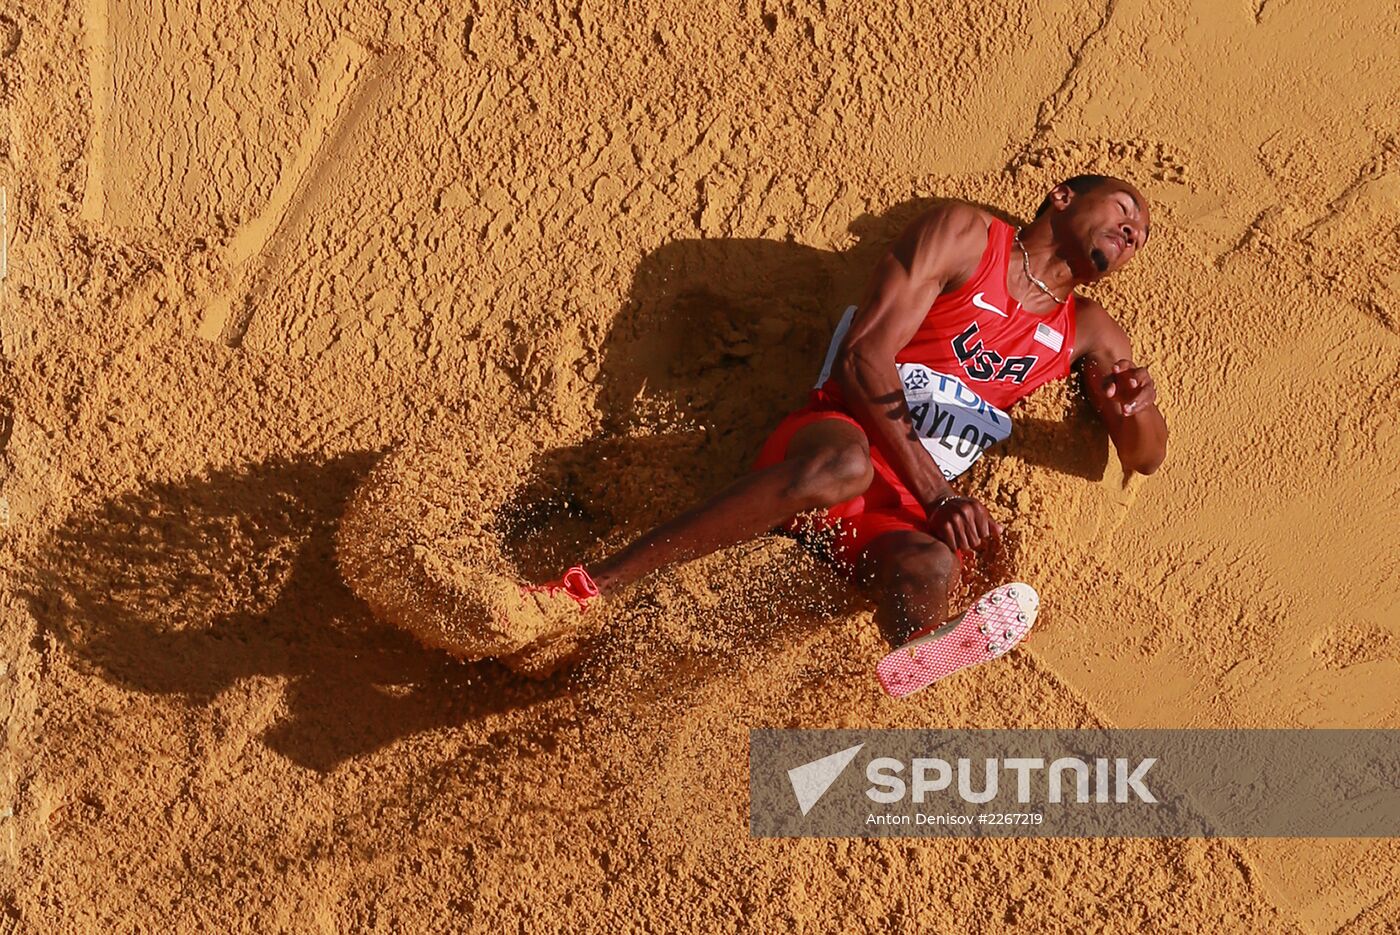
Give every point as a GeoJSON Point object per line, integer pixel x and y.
{"type": "Point", "coordinates": [1109, 225]}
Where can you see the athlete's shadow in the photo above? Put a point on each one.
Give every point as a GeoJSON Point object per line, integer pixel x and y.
{"type": "Point", "coordinates": [187, 588]}
{"type": "Point", "coordinates": [1076, 445]}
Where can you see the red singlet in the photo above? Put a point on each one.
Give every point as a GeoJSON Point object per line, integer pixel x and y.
{"type": "Point", "coordinates": [976, 353]}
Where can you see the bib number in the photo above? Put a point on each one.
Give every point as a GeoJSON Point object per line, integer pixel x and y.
{"type": "Point", "coordinates": [953, 422]}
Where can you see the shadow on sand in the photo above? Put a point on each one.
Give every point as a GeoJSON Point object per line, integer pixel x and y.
{"type": "Point", "coordinates": [185, 588]}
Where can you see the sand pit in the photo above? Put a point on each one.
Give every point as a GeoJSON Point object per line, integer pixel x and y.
{"type": "Point", "coordinates": [268, 268]}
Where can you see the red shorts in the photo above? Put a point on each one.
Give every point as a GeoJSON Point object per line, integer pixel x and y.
{"type": "Point", "coordinates": [847, 529]}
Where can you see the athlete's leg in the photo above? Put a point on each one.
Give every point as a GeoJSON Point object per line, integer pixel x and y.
{"type": "Point", "coordinates": [826, 462]}
{"type": "Point", "coordinates": [911, 574]}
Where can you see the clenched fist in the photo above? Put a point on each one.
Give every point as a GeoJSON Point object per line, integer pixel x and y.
{"type": "Point", "coordinates": [1130, 388]}
{"type": "Point", "coordinates": [961, 523]}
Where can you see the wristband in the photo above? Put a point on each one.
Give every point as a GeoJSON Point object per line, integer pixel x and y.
{"type": "Point", "coordinates": [937, 504]}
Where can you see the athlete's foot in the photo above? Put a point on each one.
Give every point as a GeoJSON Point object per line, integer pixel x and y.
{"type": "Point", "coordinates": [991, 627]}
{"type": "Point", "coordinates": [575, 583]}
{"type": "Point", "coordinates": [566, 611]}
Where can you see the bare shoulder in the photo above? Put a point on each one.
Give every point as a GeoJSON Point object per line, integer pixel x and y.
{"type": "Point", "coordinates": [1096, 332]}
{"type": "Point", "coordinates": [946, 241]}
{"type": "Point", "coordinates": [1089, 311]}
{"type": "Point", "coordinates": [955, 222]}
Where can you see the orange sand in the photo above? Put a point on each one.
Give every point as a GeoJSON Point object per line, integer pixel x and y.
{"type": "Point", "coordinates": [251, 249]}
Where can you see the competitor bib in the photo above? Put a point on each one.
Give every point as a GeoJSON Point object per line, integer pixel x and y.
{"type": "Point", "coordinates": [954, 424]}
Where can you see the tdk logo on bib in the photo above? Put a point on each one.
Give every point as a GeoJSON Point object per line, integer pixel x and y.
{"type": "Point", "coordinates": [954, 424]}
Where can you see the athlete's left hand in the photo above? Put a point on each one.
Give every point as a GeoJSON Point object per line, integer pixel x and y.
{"type": "Point", "coordinates": [1130, 387]}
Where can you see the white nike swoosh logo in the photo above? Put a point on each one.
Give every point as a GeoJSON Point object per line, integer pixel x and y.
{"type": "Point", "coordinates": [978, 301]}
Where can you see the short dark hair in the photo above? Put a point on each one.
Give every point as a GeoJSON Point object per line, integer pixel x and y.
{"type": "Point", "coordinates": [1079, 184]}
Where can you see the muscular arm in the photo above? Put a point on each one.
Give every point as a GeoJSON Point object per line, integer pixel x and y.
{"type": "Point", "coordinates": [1122, 392]}
{"type": "Point", "coordinates": [940, 249]}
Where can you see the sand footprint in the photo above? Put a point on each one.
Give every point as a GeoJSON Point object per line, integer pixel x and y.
{"type": "Point", "coordinates": [421, 543]}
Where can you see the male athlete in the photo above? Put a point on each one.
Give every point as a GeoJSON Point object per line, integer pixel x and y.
{"type": "Point", "coordinates": [963, 317]}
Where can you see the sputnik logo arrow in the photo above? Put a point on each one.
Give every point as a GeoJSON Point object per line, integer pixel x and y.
{"type": "Point", "coordinates": [811, 780]}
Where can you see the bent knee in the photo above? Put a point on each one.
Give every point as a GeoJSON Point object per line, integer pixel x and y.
{"type": "Point", "coordinates": [923, 566]}
{"type": "Point", "coordinates": [831, 476]}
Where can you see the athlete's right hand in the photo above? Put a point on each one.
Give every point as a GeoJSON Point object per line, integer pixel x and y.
{"type": "Point", "coordinates": [962, 523]}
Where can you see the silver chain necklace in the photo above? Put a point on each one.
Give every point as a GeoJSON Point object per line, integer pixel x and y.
{"type": "Point", "coordinates": [1026, 261]}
